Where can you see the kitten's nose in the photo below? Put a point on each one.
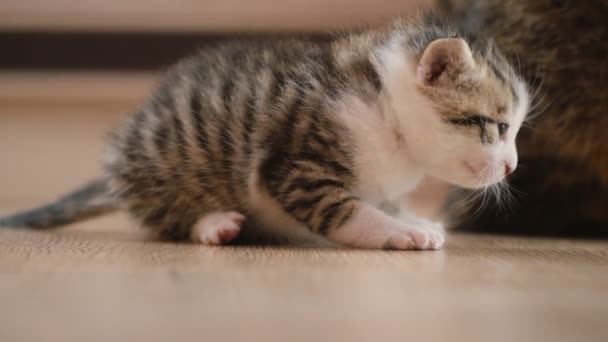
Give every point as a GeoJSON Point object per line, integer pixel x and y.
{"type": "Point", "coordinates": [509, 168]}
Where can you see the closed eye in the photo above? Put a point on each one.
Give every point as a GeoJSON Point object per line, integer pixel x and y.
{"type": "Point", "coordinates": [481, 122]}
{"type": "Point", "coordinates": [472, 120]}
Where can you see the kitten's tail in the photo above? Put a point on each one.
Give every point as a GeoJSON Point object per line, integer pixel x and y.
{"type": "Point", "coordinates": [92, 199]}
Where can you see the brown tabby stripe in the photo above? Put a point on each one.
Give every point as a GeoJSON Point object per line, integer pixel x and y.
{"type": "Point", "coordinates": [311, 185]}
{"type": "Point", "coordinates": [330, 213]}
{"type": "Point", "coordinates": [199, 120]}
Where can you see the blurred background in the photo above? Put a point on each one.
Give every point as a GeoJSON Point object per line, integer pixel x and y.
{"type": "Point", "coordinates": [139, 35]}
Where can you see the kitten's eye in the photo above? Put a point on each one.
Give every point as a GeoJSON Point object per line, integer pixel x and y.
{"type": "Point", "coordinates": [476, 120]}
{"type": "Point", "coordinates": [502, 128]}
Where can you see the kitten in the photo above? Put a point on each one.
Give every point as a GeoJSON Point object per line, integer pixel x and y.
{"type": "Point", "coordinates": [317, 142]}
{"type": "Point", "coordinates": [561, 49]}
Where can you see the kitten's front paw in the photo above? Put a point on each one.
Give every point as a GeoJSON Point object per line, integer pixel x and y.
{"type": "Point", "coordinates": [424, 237]}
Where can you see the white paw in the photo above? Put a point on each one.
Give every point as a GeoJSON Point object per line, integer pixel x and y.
{"type": "Point", "coordinates": [428, 236]}
{"type": "Point", "coordinates": [218, 228]}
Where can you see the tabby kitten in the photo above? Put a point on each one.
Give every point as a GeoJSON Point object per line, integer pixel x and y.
{"type": "Point", "coordinates": [561, 49]}
{"type": "Point", "coordinates": [314, 141]}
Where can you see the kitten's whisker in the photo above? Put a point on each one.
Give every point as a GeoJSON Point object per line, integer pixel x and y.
{"type": "Point", "coordinates": [519, 70]}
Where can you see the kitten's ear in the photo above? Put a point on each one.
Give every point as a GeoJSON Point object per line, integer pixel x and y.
{"type": "Point", "coordinates": [443, 60]}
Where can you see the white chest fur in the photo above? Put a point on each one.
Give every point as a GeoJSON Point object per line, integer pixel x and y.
{"type": "Point", "coordinates": [383, 169]}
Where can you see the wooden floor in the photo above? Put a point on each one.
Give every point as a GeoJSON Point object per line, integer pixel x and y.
{"type": "Point", "coordinates": [103, 281]}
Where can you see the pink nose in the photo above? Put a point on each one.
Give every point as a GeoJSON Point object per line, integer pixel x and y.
{"type": "Point", "coordinates": [509, 168]}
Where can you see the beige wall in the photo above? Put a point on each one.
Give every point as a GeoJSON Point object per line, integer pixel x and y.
{"type": "Point", "coordinates": [199, 15]}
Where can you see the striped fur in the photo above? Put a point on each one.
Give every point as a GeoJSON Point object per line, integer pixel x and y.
{"type": "Point", "coordinates": [314, 131]}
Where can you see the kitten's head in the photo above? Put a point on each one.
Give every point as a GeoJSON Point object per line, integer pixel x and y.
{"type": "Point", "coordinates": [479, 105]}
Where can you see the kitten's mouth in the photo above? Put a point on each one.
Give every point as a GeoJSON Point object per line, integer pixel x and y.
{"type": "Point", "coordinates": [474, 172]}
{"type": "Point", "coordinates": [482, 174]}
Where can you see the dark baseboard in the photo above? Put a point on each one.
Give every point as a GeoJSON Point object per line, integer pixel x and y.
{"type": "Point", "coordinates": [106, 50]}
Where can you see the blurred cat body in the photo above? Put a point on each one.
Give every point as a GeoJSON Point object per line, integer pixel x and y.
{"type": "Point", "coordinates": [561, 51]}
